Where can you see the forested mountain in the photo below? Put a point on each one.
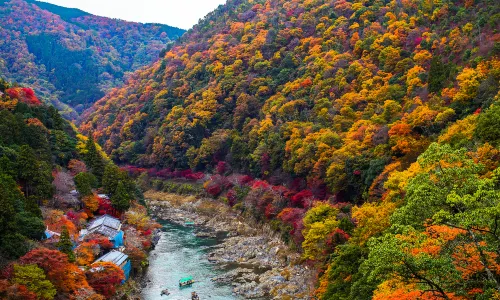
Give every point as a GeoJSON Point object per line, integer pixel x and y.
{"type": "Point", "coordinates": [72, 58]}
{"type": "Point", "coordinates": [337, 100]}
{"type": "Point", "coordinates": [316, 89]}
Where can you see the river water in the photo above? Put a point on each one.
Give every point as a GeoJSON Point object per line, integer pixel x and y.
{"type": "Point", "coordinates": [180, 253]}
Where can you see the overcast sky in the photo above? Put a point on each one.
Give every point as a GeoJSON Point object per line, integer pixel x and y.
{"type": "Point", "coordinates": [179, 13]}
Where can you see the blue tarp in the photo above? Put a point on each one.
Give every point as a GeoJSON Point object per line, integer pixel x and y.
{"type": "Point", "coordinates": [48, 234]}
{"type": "Point", "coordinates": [126, 269]}
{"type": "Point", "coordinates": [118, 240]}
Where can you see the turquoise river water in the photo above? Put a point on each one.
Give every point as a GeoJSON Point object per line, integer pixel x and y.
{"type": "Point", "coordinates": [180, 253]}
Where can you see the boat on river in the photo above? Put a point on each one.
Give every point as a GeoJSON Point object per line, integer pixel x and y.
{"type": "Point", "coordinates": [186, 281]}
{"type": "Point", "coordinates": [165, 292]}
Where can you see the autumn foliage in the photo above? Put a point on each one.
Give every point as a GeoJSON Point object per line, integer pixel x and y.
{"type": "Point", "coordinates": [104, 277]}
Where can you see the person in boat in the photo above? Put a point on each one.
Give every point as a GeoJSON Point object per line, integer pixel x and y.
{"type": "Point", "coordinates": [165, 292]}
{"type": "Point", "coordinates": [194, 296]}
{"type": "Point", "coordinates": [187, 281]}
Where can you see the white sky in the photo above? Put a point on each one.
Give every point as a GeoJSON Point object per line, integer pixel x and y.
{"type": "Point", "coordinates": [179, 13]}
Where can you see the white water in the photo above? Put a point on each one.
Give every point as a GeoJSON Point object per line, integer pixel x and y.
{"type": "Point", "coordinates": [180, 253]}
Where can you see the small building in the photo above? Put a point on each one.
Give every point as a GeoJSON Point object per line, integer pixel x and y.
{"type": "Point", "coordinates": [118, 258]}
{"type": "Point", "coordinates": [105, 225]}
{"type": "Point", "coordinates": [50, 234]}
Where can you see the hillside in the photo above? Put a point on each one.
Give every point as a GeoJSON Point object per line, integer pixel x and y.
{"type": "Point", "coordinates": [72, 58]}
{"type": "Point", "coordinates": [387, 109]}
{"type": "Point", "coordinates": [50, 177]}
{"type": "Point", "coordinates": [320, 90]}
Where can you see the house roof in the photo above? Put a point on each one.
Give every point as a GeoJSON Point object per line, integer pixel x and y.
{"type": "Point", "coordinates": [116, 257]}
{"type": "Point", "coordinates": [105, 225]}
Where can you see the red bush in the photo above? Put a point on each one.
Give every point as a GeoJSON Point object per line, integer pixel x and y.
{"type": "Point", "coordinates": [214, 189]}
{"type": "Point", "coordinates": [338, 237]}
{"type": "Point", "coordinates": [165, 174]}
{"type": "Point", "coordinates": [25, 95]}
{"type": "Point", "coordinates": [221, 167]}
{"type": "Point", "coordinates": [105, 207]}
{"type": "Point", "coordinates": [103, 242]}
{"type": "Point", "coordinates": [231, 197]}
{"type": "Point", "coordinates": [301, 199]}
{"type": "Point", "coordinates": [271, 212]}
{"type": "Point", "coordinates": [261, 184]}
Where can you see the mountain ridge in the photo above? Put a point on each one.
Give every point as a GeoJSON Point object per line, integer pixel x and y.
{"type": "Point", "coordinates": [74, 58]}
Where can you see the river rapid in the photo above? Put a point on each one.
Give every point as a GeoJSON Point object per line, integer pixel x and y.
{"type": "Point", "coordinates": [181, 253]}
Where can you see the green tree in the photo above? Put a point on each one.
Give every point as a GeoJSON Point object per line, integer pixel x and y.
{"type": "Point", "coordinates": [488, 125]}
{"type": "Point", "coordinates": [29, 225]}
{"type": "Point", "coordinates": [35, 280]}
{"type": "Point", "coordinates": [391, 255]}
{"type": "Point", "coordinates": [344, 272]}
{"type": "Point", "coordinates": [438, 74]}
{"type": "Point", "coordinates": [11, 200]}
{"type": "Point", "coordinates": [84, 183]}
{"type": "Point", "coordinates": [454, 193]}
{"type": "Point", "coordinates": [319, 222]}
{"type": "Point", "coordinates": [121, 198]}
{"type": "Point", "coordinates": [94, 159]}
{"type": "Point", "coordinates": [112, 176]}
{"type": "Point", "coordinates": [13, 245]}
{"type": "Point", "coordinates": [7, 166]}
{"type": "Point", "coordinates": [65, 245]}
{"type": "Point", "coordinates": [34, 174]}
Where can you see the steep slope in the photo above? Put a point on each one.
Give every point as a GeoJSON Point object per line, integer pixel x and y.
{"type": "Point", "coordinates": [325, 90]}
{"type": "Point", "coordinates": [50, 176]}
{"type": "Point", "coordinates": [393, 105]}
{"type": "Point", "coordinates": [71, 57]}
{"type": "Point", "coordinates": [34, 141]}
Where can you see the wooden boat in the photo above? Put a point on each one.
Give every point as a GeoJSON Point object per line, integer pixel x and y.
{"type": "Point", "coordinates": [186, 281]}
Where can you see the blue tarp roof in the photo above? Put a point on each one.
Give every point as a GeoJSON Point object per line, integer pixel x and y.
{"type": "Point", "coordinates": [117, 239]}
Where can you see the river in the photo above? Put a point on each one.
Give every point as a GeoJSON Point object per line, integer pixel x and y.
{"type": "Point", "coordinates": [180, 253]}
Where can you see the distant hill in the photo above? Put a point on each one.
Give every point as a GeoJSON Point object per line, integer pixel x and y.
{"type": "Point", "coordinates": [70, 57]}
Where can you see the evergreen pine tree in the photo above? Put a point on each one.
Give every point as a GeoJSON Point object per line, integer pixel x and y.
{"type": "Point", "coordinates": [84, 183]}
{"type": "Point", "coordinates": [7, 167]}
{"type": "Point", "coordinates": [65, 245]}
{"type": "Point", "coordinates": [121, 198]}
{"type": "Point", "coordinates": [94, 159]}
{"type": "Point", "coordinates": [35, 175]}
{"type": "Point", "coordinates": [112, 176]}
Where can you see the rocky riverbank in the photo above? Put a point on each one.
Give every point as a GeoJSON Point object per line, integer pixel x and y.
{"type": "Point", "coordinates": [258, 264]}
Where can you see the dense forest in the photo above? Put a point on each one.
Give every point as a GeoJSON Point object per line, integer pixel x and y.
{"type": "Point", "coordinates": [50, 177]}
{"type": "Point", "coordinates": [72, 58]}
{"type": "Point", "coordinates": [371, 125]}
